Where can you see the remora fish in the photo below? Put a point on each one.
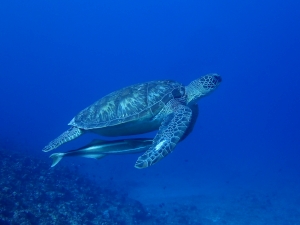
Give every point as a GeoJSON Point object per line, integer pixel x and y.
{"type": "Point", "coordinates": [98, 149]}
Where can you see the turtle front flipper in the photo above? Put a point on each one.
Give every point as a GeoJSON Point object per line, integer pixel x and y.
{"type": "Point", "coordinates": [71, 134]}
{"type": "Point", "coordinates": [170, 132]}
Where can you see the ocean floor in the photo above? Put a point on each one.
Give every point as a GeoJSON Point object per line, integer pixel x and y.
{"type": "Point", "coordinates": [220, 207]}
{"type": "Point", "coordinates": [32, 193]}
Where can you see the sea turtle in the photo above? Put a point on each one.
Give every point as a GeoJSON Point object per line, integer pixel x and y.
{"type": "Point", "coordinates": [165, 105]}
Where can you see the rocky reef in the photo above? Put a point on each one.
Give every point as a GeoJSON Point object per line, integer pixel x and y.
{"type": "Point", "coordinates": [32, 193]}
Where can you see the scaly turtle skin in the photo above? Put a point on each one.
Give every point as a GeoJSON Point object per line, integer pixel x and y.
{"type": "Point", "coordinates": [166, 106]}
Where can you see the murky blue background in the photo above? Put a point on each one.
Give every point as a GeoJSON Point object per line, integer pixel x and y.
{"type": "Point", "coordinates": [58, 57]}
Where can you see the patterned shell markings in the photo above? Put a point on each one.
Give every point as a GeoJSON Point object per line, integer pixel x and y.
{"type": "Point", "coordinates": [125, 105]}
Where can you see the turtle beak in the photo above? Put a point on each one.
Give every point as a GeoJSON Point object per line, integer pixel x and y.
{"type": "Point", "coordinates": [218, 78]}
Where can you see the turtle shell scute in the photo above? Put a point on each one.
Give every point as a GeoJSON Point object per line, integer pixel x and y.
{"type": "Point", "coordinates": [128, 104]}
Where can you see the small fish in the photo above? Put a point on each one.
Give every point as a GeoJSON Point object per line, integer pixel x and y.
{"type": "Point", "coordinates": [98, 149]}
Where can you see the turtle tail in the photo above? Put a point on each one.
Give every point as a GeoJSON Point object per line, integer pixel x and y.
{"type": "Point", "coordinates": [71, 134]}
{"type": "Point", "coordinates": [56, 157]}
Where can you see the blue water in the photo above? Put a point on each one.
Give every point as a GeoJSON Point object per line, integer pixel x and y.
{"type": "Point", "coordinates": [58, 57]}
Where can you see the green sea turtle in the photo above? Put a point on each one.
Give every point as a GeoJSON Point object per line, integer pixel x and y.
{"type": "Point", "coordinates": [165, 105]}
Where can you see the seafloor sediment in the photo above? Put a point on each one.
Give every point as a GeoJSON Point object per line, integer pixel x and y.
{"type": "Point", "coordinates": [33, 193]}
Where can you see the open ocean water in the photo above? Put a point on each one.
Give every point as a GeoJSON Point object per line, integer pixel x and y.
{"type": "Point", "coordinates": [239, 166]}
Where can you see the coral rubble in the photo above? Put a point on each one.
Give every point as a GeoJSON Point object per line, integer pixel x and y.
{"type": "Point", "coordinates": [33, 193]}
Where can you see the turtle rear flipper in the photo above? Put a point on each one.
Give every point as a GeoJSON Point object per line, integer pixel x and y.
{"type": "Point", "coordinates": [71, 134]}
{"type": "Point", "coordinates": [169, 134]}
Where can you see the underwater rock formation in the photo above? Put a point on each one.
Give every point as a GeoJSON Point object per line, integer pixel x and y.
{"type": "Point", "coordinates": [31, 193]}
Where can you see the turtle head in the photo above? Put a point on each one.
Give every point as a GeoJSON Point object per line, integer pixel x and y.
{"type": "Point", "coordinates": [202, 86]}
